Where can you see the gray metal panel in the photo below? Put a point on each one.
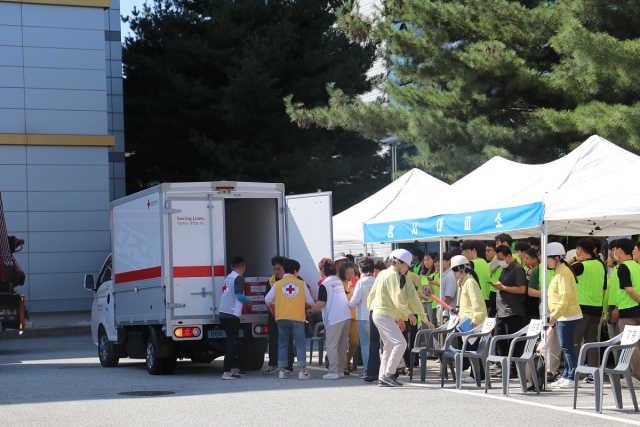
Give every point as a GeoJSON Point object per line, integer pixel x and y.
{"type": "Point", "coordinates": [116, 69]}
{"type": "Point", "coordinates": [12, 121]}
{"type": "Point", "coordinates": [45, 155]}
{"type": "Point", "coordinates": [63, 38]}
{"type": "Point", "coordinates": [70, 241]}
{"type": "Point", "coordinates": [14, 177]}
{"type": "Point", "coordinates": [119, 141]}
{"type": "Point", "coordinates": [11, 56]}
{"type": "Point", "coordinates": [14, 201]}
{"type": "Point", "coordinates": [10, 14]}
{"type": "Point", "coordinates": [11, 76]}
{"type": "Point", "coordinates": [67, 122]}
{"type": "Point", "coordinates": [57, 285]}
{"type": "Point", "coordinates": [117, 103]}
{"type": "Point", "coordinates": [105, 16]}
{"type": "Point", "coordinates": [116, 85]}
{"type": "Point", "coordinates": [63, 58]}
{"type": "Point", "coordinates": [48, 78]}
{"type": "Point", "coordinates": [120, 188]}
{"type": "Point", "coordinates": [66, 262]}
{"type": "Point", "coordinates": [68, 221]}
{"type": "Point", "coordinates": [107, 50]}
{"type": "Point", "coordinates": [88, 18]}
{"type": "Point", "coordinates": [118, 170]}
{"type": "Point", "coordinates": [49, 201]}
{"type": "Point", "coordinates": [118, 121]}
{"type": "Point", "coordinates": [116, 51]}
{"type": "Point", "coordinates": [16, 222]}
{"type": "Point", "coordinates": [115, 21]}
{"type": "Point", "coordinates": [61, 99]}
{"type": "Point", "coordinates": [10, 36]}
{"type": "Point", "coordinates": [145, 304]}
{"type": "Point", "coordinates": [76, 304]}
{"type": "Point", "coordinates": [13, 155]}
{"type": "Point", "coordinates": [68, 178]}
{"type": "Point", "coordinates": [11, 97]}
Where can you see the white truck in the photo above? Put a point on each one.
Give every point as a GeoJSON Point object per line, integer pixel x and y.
{"type": "Point", "coordinates": [158, 293]}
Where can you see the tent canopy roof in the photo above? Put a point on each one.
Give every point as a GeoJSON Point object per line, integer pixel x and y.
{"type": "Point", "coordinates": [392, 199]}
{"type": "Point", "coordinates": [579, 194]}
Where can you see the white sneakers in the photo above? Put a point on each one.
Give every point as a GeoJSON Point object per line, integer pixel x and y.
{"type": "Point", "coordinates": [304, 376]}
{"type": "Point", "coordinates": [331, 376]}
{"type": "Point", "coordinates": [563, 383]}
{"type": "Point", "coordinates": [284, 374]}
{"type": "Point", "coordinates": [469, 379]}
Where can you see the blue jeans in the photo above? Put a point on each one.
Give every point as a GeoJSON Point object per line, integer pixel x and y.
{"type": "Point", "coordinates": [566, 335]}
{"type": "Point", "coordinates": [364, 332]}
{"type": "Point", "coordinates": [286, 328]}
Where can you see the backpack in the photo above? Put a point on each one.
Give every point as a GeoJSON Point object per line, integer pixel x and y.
{"type": "Point", "coordinates": [538, 361]}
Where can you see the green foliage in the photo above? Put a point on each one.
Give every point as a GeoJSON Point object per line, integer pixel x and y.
{"type": "Point", "coordinates": [203, 96]}
{"type": "Point", "coordinates": [526, 80]}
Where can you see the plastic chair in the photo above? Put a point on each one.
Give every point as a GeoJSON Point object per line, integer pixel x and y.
{"type": "Point", "coordinates": [430, 346]}
{"type": "Point", "coordinates": [628, 340]}
{"type": "Point", "coordinates": [320, 340]}
{"type": "Point", "coordinates": [528, 335]}
{"type": "Point", "coordinates": [476, 357]}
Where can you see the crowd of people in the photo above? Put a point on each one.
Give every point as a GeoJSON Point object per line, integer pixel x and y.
{"type": "Point", "coordinates": [377, 302]}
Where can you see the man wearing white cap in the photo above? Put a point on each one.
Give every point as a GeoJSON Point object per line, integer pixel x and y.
{"type": "Point", "coordinates": [388, 306]}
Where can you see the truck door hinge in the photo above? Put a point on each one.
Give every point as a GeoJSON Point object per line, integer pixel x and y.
{"type": "Point", "coordinates": [202, 293]}
{"type": "Point", "coordinates": [283, 210]}
{"type": "Point", "coordinates": [175, 305]}
{"type": "Point", "coordinates": [171, 211]}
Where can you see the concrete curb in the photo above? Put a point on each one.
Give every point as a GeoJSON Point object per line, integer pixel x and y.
{"type": "Point", "coordinates": [55, 331]}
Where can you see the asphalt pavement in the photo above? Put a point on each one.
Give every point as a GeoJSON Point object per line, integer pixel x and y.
{"type": "Point", "coordinates": [58, 381]}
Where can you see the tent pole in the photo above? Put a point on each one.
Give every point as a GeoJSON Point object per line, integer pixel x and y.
{"type": "Point", "coordinates": [545, 309]}
{"type": "Point", "coordinates": [441, 290]}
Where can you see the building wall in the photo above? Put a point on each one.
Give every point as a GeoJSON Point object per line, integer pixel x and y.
{"type": "Point", "coordinates": [61, 142]}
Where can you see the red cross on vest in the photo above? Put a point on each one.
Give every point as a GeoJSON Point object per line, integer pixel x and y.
{"type": "Point", "coordinates": [290, 289]}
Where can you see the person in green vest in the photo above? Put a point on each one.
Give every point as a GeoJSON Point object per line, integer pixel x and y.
{"type": "Point", "coordinates": [628, 296]}
{"type": "Point", "coordinates": [610, 302]}
{"type": "Point", "coordinates": [416, 260]}
{"type": "Point", "coordinates": [474, 250]}
{"type": "Point", "coordinates": [429, 280]}
{"type": "Point", "coordinates": [592, 283]}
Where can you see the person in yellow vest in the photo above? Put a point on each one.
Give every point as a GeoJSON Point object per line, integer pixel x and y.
{"type": "Point", "coordinates": [629, 297]}
{"type": "Point", "coordinates": [347, 272]}
{"type": "Point", "coordinates": [277, 262]}
{"type": "Point", "coordinates": [592, 283]}
{"type": "Point", "coordinates": [565, 310]}
{"type": "Point", "coordinates": [290, 295]}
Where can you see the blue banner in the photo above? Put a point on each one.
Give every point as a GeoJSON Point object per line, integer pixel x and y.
{"type": "Point", "coordinates": [492, 221]}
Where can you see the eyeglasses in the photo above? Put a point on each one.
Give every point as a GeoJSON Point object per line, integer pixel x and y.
{"type": "Point", "coordinates": [490, 250]}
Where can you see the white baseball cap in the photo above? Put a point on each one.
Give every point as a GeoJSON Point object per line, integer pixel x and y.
{"type": "Point", "coordinates": [337, 256]}
{"type": "Point", "coordinates": [403, 255]}
{"type": "Point", "coordinates": [555, 248]}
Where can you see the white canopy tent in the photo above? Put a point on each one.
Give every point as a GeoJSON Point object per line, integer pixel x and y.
{"type": "Point", "coordinates": [590, 191]}
{"type": "Point", "coordinates": [413, 186]}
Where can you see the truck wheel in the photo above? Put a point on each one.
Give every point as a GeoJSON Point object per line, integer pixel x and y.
{"type": "Point", "coordinates": [170, 365]}
{"type": "Point", "coordinates": [155, 364]}
{"type": "Point", "coordinates": [106, 350]}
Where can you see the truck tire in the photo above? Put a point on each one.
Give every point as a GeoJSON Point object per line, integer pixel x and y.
{"type": "Point", "coordinates": [106, 350]}
{"type": "Point", "coordinates": [170, 365]}
{"type": "Point", "coordinates": [155, 364]}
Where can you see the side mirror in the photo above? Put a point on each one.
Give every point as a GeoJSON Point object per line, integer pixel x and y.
{"type": "Point", "coordinates": [89, 282]}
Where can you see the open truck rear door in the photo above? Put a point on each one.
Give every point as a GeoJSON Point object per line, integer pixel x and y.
{"type": "Point", "coordinates": [309, 226]}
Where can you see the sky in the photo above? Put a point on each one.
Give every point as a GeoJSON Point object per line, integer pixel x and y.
{"type": "Point", "coordinates": [126, 6]}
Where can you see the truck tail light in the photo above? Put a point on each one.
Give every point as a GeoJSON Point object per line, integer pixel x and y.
{"type": "Point", "coordinates": [261, 329]}
{"type": "Point", "coordinates": [189, 332]}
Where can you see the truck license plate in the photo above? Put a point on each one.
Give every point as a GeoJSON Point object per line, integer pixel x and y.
{"type": "Point", "coordinates": [220, 333]}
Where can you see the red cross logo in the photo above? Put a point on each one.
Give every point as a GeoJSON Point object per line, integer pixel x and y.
{"type": "Point", "coordinates": [148, 204]}
{"type": "Point", "coordinates": [290, 289]}
{"type": "Point", "coordinates": [225, 288]}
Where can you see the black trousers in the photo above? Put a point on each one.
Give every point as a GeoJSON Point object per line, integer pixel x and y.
{"type": "Point", "coordinates": [466, 363]}
{"type": "Point", "coordinates": [413, 331]}
{"type": "Point", "coordinates": [506, 326]}
{"type": "Point", "coordinates": [492, 304]}
{"type": "Point", "coordinates": [273, 344]}
{"type": "Point", "coordinates": [373, 367]}
{"type": "Point", "coordinates": [231, 327]}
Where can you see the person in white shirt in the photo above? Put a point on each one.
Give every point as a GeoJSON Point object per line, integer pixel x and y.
{"type": "Point", "coordinates": [336, 315]}
{"type": "Point", "coordinates": [359, 301]}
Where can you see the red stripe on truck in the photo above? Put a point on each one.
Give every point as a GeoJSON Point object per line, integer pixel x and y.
{"type": "Point", "coordinates": [198, 271]}
{"type": "Point", "coordinates": [144, 274]}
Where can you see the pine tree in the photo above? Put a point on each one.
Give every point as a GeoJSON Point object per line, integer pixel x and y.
{"type": "Point", "coordinates": [527, 80]}
{"type": "Point", "coordinates": [204, 86]}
